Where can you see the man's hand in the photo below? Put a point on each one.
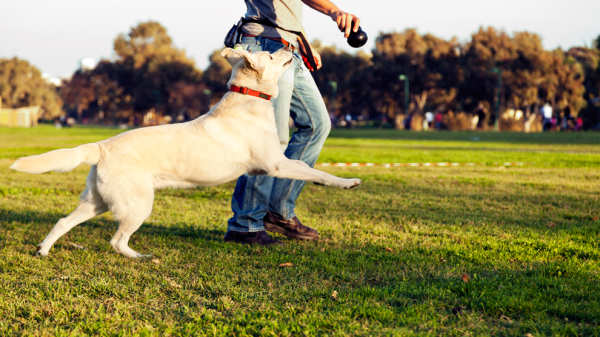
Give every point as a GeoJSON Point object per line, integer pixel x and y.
{"type": "Point", "coordinates": [345, 21]}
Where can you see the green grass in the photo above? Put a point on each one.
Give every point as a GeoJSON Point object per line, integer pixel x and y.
{"type": "Point", "coordinates": [394, 249]}
{"type": "Point", "coordinates": [383, 146]}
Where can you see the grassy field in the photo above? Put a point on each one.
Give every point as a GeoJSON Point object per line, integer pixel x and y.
{"type": "Point", "coordinates": [413, 251]}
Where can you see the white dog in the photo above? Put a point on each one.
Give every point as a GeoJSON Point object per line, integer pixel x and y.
{"type": "Point", "coordinates": [236, 136]}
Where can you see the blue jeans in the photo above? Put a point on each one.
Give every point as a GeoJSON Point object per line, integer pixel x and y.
{"type": "Point", "coordinates": [299, 98]}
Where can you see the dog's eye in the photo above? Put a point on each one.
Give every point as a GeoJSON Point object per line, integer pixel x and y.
{"type": "Point", "coordinates": [271, 56]}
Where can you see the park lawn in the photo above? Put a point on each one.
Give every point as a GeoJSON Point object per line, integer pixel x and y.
{"type": "Point", "coordinates": [383, 146]}
{"type": "Point", "coordinates": [395, 250]}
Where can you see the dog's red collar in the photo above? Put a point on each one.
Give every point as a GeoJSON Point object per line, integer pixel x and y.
{"type": "Point", "coordinates": [248, 91]}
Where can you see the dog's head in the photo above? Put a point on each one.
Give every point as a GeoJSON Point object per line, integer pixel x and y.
{"type": "Point", "coordinates": [257, 68]}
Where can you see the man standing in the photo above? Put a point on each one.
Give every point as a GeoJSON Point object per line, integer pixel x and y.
{"type": "Point", "coordinates": [547, 113]}
{"type": "Point", "coordinates": [264, 202]}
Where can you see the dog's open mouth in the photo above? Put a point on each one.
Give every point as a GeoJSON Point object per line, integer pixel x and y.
{"type": "Point", "coordinates": [288, 62]}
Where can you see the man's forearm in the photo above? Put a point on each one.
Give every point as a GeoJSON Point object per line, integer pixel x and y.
{"type": "Point", "coordinates": [324, 6]}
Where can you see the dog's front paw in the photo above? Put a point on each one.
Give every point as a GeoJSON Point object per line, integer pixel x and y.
{"type": "Point", "coordinates": [352, 183]}
{"type": "Point", "coordinates": [40, 252]}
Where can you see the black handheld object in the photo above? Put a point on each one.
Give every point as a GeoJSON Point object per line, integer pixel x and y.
{"type": "Point", "coordinates": [358, 39]}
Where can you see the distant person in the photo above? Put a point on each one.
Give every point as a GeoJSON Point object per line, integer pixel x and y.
{"type": "Point", "coordinates": [553, 123]}
{"type": "Point", "coordinates": [564, 124]}
{"type": "Point", "coordinates": [568, 120]}
{"type": "Point", "coordinates": [348, 119]}
{"type": "Point", "coordinates": [261, 201]}
{"type": "Point", "coordinates": [438, 120]}
{"type": "Point", "coordinates": [474, 122]}
{"type": "Point", "coordinates": [480, 112]}
{"type": "Point", "coordinates": [547, 114]}
{"type": "Point", "coordinates": [407, 122]}
{"type": "Point", "coordinates": [579, 124]}
{"type": "Point", "coordinates": [429, 118]}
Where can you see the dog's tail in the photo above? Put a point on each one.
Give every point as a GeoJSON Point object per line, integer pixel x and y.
{"type": "Point", "coordinates": [59, 160]}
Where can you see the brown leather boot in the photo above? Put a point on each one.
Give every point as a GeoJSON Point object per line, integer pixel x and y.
{"type": "Point", "coordinates": [292, 227]}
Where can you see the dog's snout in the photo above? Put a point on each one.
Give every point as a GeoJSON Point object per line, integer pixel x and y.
{"type": "Point", "coordinates": [287, 48]}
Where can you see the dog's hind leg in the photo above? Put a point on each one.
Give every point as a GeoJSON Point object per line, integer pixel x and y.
{"type": "Point", "coordinates": [131, 213]}
{"type": "Point", "coordinates": [90, 206]}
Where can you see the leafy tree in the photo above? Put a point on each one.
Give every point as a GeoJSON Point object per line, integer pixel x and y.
{"type": "Point", "coordinates": [145, 74]}
{"type": "Point", "coordinates": [147, 64]}
{"type": "Point", "coordinates": [109, 93]}
{"type": "Point", "coordinates": [217, 73]}
{"type": "Point", "coordinates": [22, 85]}
{"type": "Point", "coordinates": [189, 100]}
{"type": "Point", "coordinates": [564, 87]}
{"type": "Point", "coordinates": [79, 92]}
{"type": "Point", "coordinates": [351, 74]}
{"type": "Point", "coordinates": [525, 69]}
{"type": "Point", "coordinates": [431, 65]}
{"type": "Point", "coordinates": [487, 49]}
{"type": "Point", "coordinates": [530, 75]}
{"type": "Point", "coordinates": [589, 59]}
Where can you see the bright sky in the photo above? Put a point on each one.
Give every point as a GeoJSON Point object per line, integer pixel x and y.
{"type": "Point", "coordinates": [55, 35]}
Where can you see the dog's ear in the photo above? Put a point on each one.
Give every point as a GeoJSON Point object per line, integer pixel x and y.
{"type": "Point", "coordinates": [230, 56]}
{"type": "Point", "coordinates": [233, 56]}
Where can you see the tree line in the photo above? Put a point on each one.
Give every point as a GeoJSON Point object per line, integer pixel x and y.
{"type": "Point", "coordinates": [149, 74]}
{"type": "Point", "coordinates": [448, 76]}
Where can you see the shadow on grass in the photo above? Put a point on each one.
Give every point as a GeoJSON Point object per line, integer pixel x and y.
{"type": "Point", "coordinates": [398, 288]}
{"type": "Point", "coordinates": [11, 219]}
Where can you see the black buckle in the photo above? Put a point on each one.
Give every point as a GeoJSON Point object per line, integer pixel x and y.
{"type": "Point", "coordinates": [244, 92]}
